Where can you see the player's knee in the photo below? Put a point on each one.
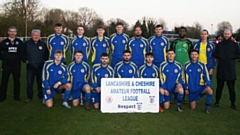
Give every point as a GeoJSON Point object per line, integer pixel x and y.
{"type": "Point", "coordinates": [68, 86]}
{"type": "Point", "coordinates": [49, 105]}
{"type": "Point", "coordinates": [210, 91]}
{"type": "Point", "coordinates": [166, 93]}
{"type": "Point", "coordinates": [161, 91]}
{"type": "Point", "coordinates": [87, 88]}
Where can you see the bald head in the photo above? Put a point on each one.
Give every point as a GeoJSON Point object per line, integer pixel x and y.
{"type": "Point", "coordinates": [227, 33]}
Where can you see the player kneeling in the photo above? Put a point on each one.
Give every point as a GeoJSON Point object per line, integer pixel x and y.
{"type": "Point", "coordinates": [99, 71]}
{"type": "Point", "coordinates": [55, 78]}
{"type": "Point", "coordinates": [80, 73]}
{"type": "Point", "coordinates": [197, 81]}
{"type": "Point", "coordinates": [170, 81]}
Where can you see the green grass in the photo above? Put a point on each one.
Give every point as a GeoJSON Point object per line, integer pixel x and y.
{"type": "Point", "coordinates": [34, 118]}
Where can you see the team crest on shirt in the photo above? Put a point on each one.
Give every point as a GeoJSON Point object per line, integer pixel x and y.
{"type": "Point", "coordinates": [153, 75]}
{"type": "Point", "coordinates": [130, 71]}
{"type": "Point", "coordinates": [104, 45]}
{"type": "Point", "coordinates": [59, 72]}
{"type": "Point", "coordinates": [106, 75]}
{"type": "Point", "coordinates": [184, 45]}
{"type": "Point", "coordinates": [123, 41]}
{"type": "Point", "coordinates": [17, 42]}
{"type": "Point", "coordinates": [175, 70]}
{"type": "Point", "coordinates": [84, 44]}
{"type": "Point", "coordinates": [162, 44]}
{"type": "Point", "coordinates": [209, 49]}
{"type": "Point", "coordinates": [7, 43]}
{"type": "Point", "coordinates": [40, 47]}
{"type": "Point", "coordinates": [199, 70]}
{"type": "Point", "coordinates": [82, 70]}
{"type": "Point", "coordinates": [141, 45]}
{"type": "Point", "coordinates": [62, 43]}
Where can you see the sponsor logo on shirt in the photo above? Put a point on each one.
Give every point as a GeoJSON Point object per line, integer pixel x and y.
{"type": "Point", "coordinates": [12, 49]}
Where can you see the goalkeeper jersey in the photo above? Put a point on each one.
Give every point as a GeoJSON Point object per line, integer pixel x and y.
{"type": "Point", "coordinates": [182, 50]}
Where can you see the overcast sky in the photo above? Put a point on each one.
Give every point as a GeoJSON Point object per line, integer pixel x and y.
{"type": "Point", "coordinates": [174, 12]}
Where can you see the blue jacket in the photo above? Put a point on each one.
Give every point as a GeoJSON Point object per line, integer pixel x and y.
{"type": "Point", "coordinates": [146, 71]}
{"type": "Point", "coordinates": [210, 50]}
{"type": "Point", "coordinates": [53, 74]}
{"type": "Point", "coordinates": [126, 70]}
{"type": "Point", "coordinates": [57, 42]}
{"type": "Point", "coordinates": [170, 75]}
{"type": "Point", "coordinates": [118, 43]}
{"type": "Point", "coordinates": [159, 46]}
{"type": "Point", "coordinates": [139, 48]}
{"type": "Point", "coordinates": [98, 47]}
{"type": "Point", "coordinates": [79, 73]}
{"type": "Point", "coordinates": [82, 44]}
{"type": "Point", "coordinates": [196, 76]}
{"type": "Point", "coordinates": [99, 72]}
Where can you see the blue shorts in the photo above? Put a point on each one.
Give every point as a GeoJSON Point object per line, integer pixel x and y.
{"type": "Point", "coordinates": [52, 95]}
{"type": "Point", "coordinates": [76, 91]}
{"type": "Point", "coordinates": [196, 95]}
{"type": "Point", "coordinates": [171, 92]}
{"type": "Point", "coordinates": [96, 97]}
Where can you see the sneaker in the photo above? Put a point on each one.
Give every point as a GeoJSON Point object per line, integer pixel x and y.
{"type": "Point", "coordinates": [18, 99]}
{"type": "Point", "coordinates": [28, 100]}
{"type": "Point", "coordinates": [65, 104]}
{"type": "Point", "coordinates": [160, 109]}
{"type": "Point", "coordinates": [179, 109]}
{"type": "Point", "coordinates": [207, 111]}
{"type": "Point", "coordinates": [87, 107]}
{"type": "Point", "coordinates": [216, 104]}
{"type": "Point", "coordinates": [43, 101]}
{"type": "Point", "coordinates": [234, 107]}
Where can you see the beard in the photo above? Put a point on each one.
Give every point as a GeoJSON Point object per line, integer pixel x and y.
{"type": "Point", "coordinates": [182, 36]}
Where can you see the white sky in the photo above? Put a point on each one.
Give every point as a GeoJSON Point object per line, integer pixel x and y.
{"type": "Point", "coordinates": [174, 12]}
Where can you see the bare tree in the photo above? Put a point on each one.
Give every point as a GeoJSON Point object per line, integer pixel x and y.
{"type": "Point", "coordinates": [87, 16]}
{"type": "Point", "coordinates": [20, 9]}
{"type": "Point", "coordinates": [222, 26]}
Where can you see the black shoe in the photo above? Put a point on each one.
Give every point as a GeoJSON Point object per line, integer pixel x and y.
{"type": "Point", "coordinates": [179, 109]}
{"type": "Point", "coordinates": [28, 100]}
{"type": "Point", "coordinates": [207, 111]}
{"type": "Point", "coordinates": [234, 107]}
{"type": "Point", "coordinates": [216, 104]}
{"type": "Point", "coordinates": [18, 99]}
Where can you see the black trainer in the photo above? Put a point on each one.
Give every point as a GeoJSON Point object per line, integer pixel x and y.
{"type": "Point", "coordinates": [234, 107]}
{"type": "Point", "coordinates": [216, 104]}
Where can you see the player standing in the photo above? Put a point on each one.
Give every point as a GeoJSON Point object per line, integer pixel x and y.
{"type": "Point", "coordinates": [158, 45]}
{"type": "Point", "coordinates": [81, 42]}
{"type": "Point", "coordinates": [138, 46]}
{"type": "Point", "coordinates": [99, 45]}
{"type": "Point", "coordinates": [206, 49]}
{"type": "Point", "coordinates": [57, 41]}
{"type": "Point", "coordinates": [118, 41]}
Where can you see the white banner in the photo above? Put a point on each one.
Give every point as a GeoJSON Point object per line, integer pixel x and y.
{"type": "Point", "coordinates": [129, 95]}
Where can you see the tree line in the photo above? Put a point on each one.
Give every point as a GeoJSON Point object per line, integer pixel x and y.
{"type": "Point", "coordinates": [16, 12]}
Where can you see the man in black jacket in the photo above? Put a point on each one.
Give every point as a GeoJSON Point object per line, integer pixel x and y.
{"type": "Point", "coordinates": [35, 53]}
{"type": "Point", "coordinates": [226, 52]}
{"type": "Point", "coordinates": [10, 54]}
